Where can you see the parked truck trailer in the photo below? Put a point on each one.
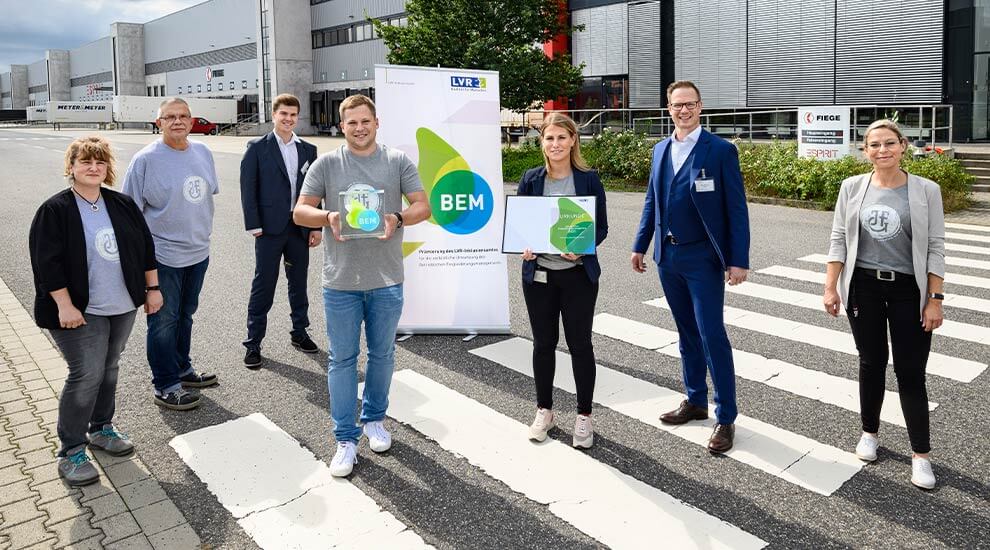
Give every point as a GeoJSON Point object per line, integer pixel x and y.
{"type": "Point", "coordinates": [131, 108]}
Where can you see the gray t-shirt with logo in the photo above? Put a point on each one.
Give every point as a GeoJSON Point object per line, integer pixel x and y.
{"type": "Point", "coordinates": [108, 293]}
{"type": "Point", "coordinates": [885, 230]}
{"type": "Point", "coordinates": [174, 189]}
{"type": "Point", "coordinates": [552, 188]}
{"type": "Point", "coordinates": [362, 264]}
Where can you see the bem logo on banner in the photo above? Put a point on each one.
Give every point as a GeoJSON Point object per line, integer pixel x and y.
{"type": "Point", "coordinates": [461, 199]}
{"type": "Point", "coordinates": [468, 82]}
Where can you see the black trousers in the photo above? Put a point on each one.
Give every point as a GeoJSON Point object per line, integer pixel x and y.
{"type": "Point", "coordinates": [269, 251]}
{"type": "Point", "coordinates": [570, 295]}
{"type": "Point", "coordinates": [873, 306]}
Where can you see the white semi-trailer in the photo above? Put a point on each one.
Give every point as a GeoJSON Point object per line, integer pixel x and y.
{"type": "Point", "coordinates": [132, 108]}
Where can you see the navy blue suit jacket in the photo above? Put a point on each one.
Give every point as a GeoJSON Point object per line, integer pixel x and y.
{"type": "Point", "coordinates": [585, 183]}
{"type": "Point", "coordinates": [723, 211]}
{"type": "Point", "coordinates": [266, 194]}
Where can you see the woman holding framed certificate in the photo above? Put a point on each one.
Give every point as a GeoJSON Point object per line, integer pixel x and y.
{"type": "Point", "coordinates": [563, 286]}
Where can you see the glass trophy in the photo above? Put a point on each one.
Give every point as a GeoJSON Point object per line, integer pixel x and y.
{"type": "Point", "coordinates": [361, 214]}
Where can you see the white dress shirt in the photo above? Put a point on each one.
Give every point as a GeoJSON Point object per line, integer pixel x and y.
{"type": "Point", "coordinates": [291, 157]}
{"type": "Point", "coordinates": [681, 150]}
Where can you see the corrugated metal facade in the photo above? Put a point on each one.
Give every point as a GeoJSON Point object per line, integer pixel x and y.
{"type": "Point", "coordinates": [791, 52]}
{"type": "Point", "coordinates": [603, 45]}
{"type": "Point", "coordinates": [711, 49]}
{"type": "Point", "coordinates": [339, 12]}
{"type": "Point", "coordinates": [889, 52]}
{"type": "Point", "coordinates": [644, 55]}
{"type": "Point", "coordinates": [350, 65]}
{"type": "Point", "coordinates": [202, 28]}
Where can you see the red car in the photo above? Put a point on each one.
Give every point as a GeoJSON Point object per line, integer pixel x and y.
{"type": "Point", "coordinates": [203, 126]}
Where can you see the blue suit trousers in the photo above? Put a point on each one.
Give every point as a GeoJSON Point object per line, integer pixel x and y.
{"type": "Point", "coordinates": [694, 285]}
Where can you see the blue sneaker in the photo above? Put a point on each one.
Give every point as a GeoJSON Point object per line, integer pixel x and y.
{"type": "Point", "coordinates": [110, 441]}
{"type": "Point", "coordinates": [77, 470]}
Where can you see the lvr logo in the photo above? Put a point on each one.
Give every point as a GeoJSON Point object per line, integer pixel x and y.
{"type": "Point", "coordinates": [461, 200]}
{"type": "Point", "coordinates": [468, 82]}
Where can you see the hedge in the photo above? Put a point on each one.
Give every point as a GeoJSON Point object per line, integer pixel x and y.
{"type": "Point", "coordinates": [769, 169]}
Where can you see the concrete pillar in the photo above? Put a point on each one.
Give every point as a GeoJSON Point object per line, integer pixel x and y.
{"type": "Point", "coordinates": [58, 75]}
{"type": "Point", "coordinates": [291, 56]}
{"type": "Point", "coordinates": [128, 59]}
{"type": "Point", "coordinates": [19, 86]}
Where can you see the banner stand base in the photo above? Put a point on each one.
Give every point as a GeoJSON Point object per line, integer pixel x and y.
{"type": "Point", "coordinates": [403, 337]}
{"type": "Point", "coordinates": [469, 337]}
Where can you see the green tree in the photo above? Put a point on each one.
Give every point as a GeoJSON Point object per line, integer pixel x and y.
{"type": "Point", "coordinates": [497, 35]}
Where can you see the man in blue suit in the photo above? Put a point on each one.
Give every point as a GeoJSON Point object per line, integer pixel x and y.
{"type": "Point", "coordinates": [272, 173]}
{"type": "Point", "coordinates": [696, 206]}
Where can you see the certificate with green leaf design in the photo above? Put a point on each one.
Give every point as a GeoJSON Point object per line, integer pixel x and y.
{"type": "Point", "coordinates": [549, 225]}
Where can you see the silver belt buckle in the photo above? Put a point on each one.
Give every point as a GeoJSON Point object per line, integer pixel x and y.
{"type": "Point", "coordinates": [885, 275]}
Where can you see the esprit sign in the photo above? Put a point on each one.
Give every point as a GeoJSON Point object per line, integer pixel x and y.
{"type": "Point", "coordinates": [823, 132]}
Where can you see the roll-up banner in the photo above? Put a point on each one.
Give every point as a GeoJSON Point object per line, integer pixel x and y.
{"type": "Point", "coordinates": [447, 121]}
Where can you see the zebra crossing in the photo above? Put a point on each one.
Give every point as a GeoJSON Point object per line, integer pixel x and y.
{"type": "Point", "coordinates": [285, 498]}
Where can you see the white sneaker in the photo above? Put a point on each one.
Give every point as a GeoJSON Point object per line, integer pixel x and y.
{"type": "Point", "coordinates": [344, 460]}
{"type": "Point", "coordinates": [542, 424]}
{"type": "Point", "coordinates": [866, 449]}
{"type": "Point", "coordinates": [584, 434]}
{"type": "Point", "coordinates": [921, 473]}
{"type": "Point", "coordinates": [378, 437]}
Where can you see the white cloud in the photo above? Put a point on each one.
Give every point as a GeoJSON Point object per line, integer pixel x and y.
{"type": "Point", "coordinates": [33, 27]}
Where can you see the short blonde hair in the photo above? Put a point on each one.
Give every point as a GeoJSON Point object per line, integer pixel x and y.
{"type": "Point", "coordinates": [682, 84]}
{"type": "Point", "coordinates": [563, 121]}
{"type": "Point", "coordinates": [87, 148]}
{"type": "Point", "coordinates": [354, 101]}
{"type": "Point", "coordinates": [885, 124]}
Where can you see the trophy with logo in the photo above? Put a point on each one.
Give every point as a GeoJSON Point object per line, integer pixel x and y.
{"type": "Point", "coordinates": [361, 212]}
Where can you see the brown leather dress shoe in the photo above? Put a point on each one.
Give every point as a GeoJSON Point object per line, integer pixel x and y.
{"type": "Point", "coordinates": [721, 440]}
{"type": "Point", "coordinates": [683, 414]}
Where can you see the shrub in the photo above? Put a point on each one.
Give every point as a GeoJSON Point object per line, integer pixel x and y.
{"type": "Point", "coordinates": [516, 160]}
{"type": "Point", "coordinates": [620, 157]}
{"type": "Point", "coordinates": [950, 176]}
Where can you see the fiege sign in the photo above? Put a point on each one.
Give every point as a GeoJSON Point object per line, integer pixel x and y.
{"type": "Point", "coordinates": [823, 132]}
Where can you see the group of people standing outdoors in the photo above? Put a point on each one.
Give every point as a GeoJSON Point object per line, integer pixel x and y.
{"type": "Point", "coordinates": [98, 255]}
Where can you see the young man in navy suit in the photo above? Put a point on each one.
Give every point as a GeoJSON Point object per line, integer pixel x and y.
{"type": "Point", "coordinates": [696, 206]}
{"type": "Point", "coordinates": [272, 173]}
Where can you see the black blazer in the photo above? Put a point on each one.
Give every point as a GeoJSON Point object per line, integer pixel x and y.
{"type": "Point", "coordinates": [266, 194]}
{"type": "Point", "coordinates": [585, 183]}
{"type": "Point", "coordinates": [57, 245]}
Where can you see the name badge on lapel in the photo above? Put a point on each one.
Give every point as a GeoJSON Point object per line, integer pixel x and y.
{"type": "Point", "coordinates": [704, 184]}
{"type": "Point", "coordinates": [305, 167]}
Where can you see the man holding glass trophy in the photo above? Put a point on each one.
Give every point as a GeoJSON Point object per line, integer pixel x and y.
{"type": "Point", "coordinates": [362, 184]}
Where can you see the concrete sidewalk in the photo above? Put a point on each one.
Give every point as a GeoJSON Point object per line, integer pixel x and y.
{"type": "Point", "coordinates": [127, 509]}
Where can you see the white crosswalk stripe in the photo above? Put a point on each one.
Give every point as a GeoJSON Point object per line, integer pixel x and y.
{"type": "Point", "coordinates": [818, 277]}
{"type": "Point", "coordinates": [968, 248]}
{"type": "Point", "coordinates": [967, 237]}
{"type": "Point", "coordinates": [282, 496]}
{"type": "Point", "coordinates": [949, 260]}
{"type": "Point", "coordinates": [950, 279]}
{"type": "Point", "coordinates": [812, 384]}
{"type": "Point", "coordinates": [612, 507]}
{"type": "Point", "coordinates": [792, 457]}
{"type": "Point", "coordinates": [950, 328]}
{"type": "Point", "coordinates": [967, 227]}
{"type": "Point", "coordinates": [955, 368]}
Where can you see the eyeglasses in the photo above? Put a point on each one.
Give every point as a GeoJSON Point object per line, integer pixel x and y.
{"type": "Point", "coordinates": [689, 105]}
{"type": "Point", "coordinates": [876, 145]}
{"type": "Point", "coordinates": [169, 119]}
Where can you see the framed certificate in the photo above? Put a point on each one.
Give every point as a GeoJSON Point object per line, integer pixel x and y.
{"type": "Point", "coordinates": [360, 210]}
{"type": "Point", "coordinates": [549, 225]}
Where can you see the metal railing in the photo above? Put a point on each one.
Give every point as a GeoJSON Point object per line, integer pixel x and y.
{"type": "Point", "coordinates": [245, 121]}
{"type": "Point", "coordinates": [931, 123]}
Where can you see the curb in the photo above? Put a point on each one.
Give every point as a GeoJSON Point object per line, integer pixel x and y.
{"type": "Point", "coordinates": [126, 509]}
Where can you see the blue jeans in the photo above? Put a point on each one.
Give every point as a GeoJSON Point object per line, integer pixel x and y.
{"type": "Point", "coordinates": [89, 398]}
{"type": "Point", "coordinates": [380, 310]}
{"type": "Point", "coordinates": [170, 330]}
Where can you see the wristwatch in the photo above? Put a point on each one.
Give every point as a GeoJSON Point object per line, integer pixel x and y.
{"type": "Point", "coordinates": [399, 217]}
{"type": "Point", "coordinates": [936, 296]}
{"type": "Point", "coordinates": [152, 287]}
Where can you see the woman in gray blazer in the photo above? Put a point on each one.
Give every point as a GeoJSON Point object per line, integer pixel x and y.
{"type": "Point", "coordinates": [889, 230]}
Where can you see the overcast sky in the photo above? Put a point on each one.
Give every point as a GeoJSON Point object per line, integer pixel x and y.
{"type": "Point", "coordinates": [28, 28]}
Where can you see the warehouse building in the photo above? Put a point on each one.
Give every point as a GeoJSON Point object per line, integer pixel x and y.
{"type": "Point", "coordinates": [744, 54]}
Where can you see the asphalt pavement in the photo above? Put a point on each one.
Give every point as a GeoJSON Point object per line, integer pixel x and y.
{"type": "Point", "coordinates": [451, 498]}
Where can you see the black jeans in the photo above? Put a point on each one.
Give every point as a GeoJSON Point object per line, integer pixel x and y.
{"type": "Point", "coordinates": [570, 295]}
{"type": "Point", "coordinates": [873, 305]}
{"type": "Point", "coordinates": [88, 398]}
